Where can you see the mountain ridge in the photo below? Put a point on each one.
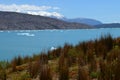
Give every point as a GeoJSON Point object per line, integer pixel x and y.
{"type": "Point", "coordinates": [22, 21]}
{"type": "Point", "coordinates": [108, 25]}
{"type": "Point", "coordinates": [88, 21]}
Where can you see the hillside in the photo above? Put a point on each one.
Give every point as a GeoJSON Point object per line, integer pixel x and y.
{"type": "Point", "coordinates": [20, 21]}
{"type": "Point", "coordinates": [112, 25]}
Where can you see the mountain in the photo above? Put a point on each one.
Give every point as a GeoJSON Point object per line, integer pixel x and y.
{"type": "Point", "coordinates": [111, 25]}
{"type": "Point", "coordinates": [20, 21]}
{"type": "Point", "coordinates": [87, 21]}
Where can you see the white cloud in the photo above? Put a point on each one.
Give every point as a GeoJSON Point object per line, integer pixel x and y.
{"type": "Point", "coordinates": [56, 8]}
{"type": "Point", "coordinates": [45, 13]}
{"type": "Point", "coordinates": [25, 7]}
{"type": "Point", "coordinates": [32, 9]}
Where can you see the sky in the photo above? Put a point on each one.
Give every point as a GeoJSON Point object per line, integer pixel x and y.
{"type": "Point", "coordinates": [107, 11]}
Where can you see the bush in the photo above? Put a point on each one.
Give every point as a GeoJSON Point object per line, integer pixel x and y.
{"type": "Point", "coordinates": [25, 76]}
{"type": "Point", "coordinates": [82, 74]}
{"type": "Point", "coordinates": [63, 68]}
{"type": "Point", "coordinates": [3, 67]}
{"type": "Point", "coordinates": [94, 75]}
{"type": "Point", "coordinates": [3, 75]}
{"type": "Point", "coordinates": [34, 69]}
{"type": "Point", "coordinates": [45, 73]}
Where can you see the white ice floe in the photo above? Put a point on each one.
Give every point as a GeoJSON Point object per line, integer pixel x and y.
{"type": "Point", "coordinates": [25, 34]}
{"type": "Point", "coordinates": [52, 48]}
{"type": "Point", "coordinates": [1, 31]}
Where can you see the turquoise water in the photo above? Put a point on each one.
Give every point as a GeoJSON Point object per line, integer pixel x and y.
{"type": "Point", "coordinates": [13, 43]}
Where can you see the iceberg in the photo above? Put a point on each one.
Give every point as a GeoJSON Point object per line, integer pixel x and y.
{"type": "Point", "coordinates": [53, 48]}
{"type": "Point", "coordinates": [25, 34]}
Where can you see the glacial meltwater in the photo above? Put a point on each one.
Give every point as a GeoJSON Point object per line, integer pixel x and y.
{"type": "Point", "coordinates": [29, 42]}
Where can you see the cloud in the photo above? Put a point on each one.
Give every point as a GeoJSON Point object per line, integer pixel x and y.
{"type": "Point", "coordinates": [32, 9]}
{"type": "Point", "coordinates": [25, 7]}
{"type": "Point", "coordinates": [56, 8]}
{"type": "Point", "coordinates": [45, 13]}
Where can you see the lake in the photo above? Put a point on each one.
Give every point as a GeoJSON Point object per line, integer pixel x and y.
{"type": "Point", "coordinates": [29, 42]}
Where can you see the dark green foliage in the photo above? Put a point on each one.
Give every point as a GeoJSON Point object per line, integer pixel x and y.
{"type": "Point", "coordinates": [16, 62]}
{"type": "Point", "coordinates": [105, 71]}
{"type": "Point", "coordinates": [72, 56]}
{"type": "Point", "coordinates": [3, 75]}
{"type": "Point", "coordinates": [81, 60]}
{"type": "Point", "coordinates": [13, 65]}
{"type": "Point", "coordinates": [26, 59]}
{"type": "Point", "coordinates": [113, 54]}
{"type": "Point", "coordinates": [117, 69]}
{"type": "Point", "coordinates": [109, 70]}
{"type": "Point", "coordinates": [54, 53]}
{"type": "Point", "coordinates": [106, 44]}
{"type": "Point", "coordinates": [43, 58]}
{"type": "Point", "coordinates": [83, 47]}
{"type": "Point", "coordinates": [3, 67]}
{"type": "Point", "coordinates": [25, 76]}
{"type": "Point", "coordinates": [64, 73]}
{"type": "Point", "coordinates": [93, 66]}
{"type": "Point", "coordinates": [94, 75]}
{"type": "Point", "coordinates": [117, 42]}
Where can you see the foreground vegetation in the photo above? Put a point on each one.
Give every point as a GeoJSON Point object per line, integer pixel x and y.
{"type": "Point", "coordinates": [92, 60]}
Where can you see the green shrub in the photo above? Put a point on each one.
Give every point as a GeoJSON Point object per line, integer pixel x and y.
{"type": "Point", "coordinates": [94, 75]}
{"type": "Point", "coordinates": [3, 67]}
{"type": "Point", "coordinates": [25, 76]}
